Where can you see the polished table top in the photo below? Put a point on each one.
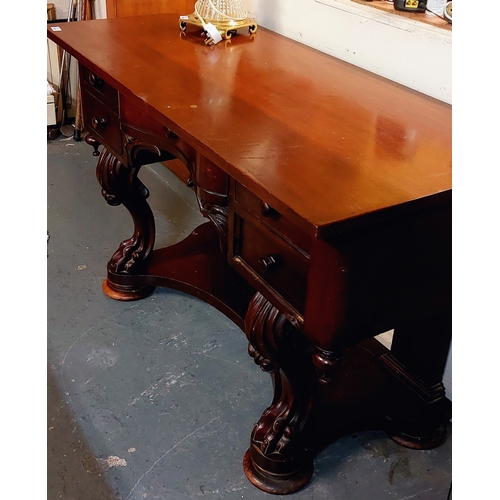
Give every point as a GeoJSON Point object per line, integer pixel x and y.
{"type": "Point", "coordinates": [323, 141]}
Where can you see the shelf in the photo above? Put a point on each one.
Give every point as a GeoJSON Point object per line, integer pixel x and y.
{"type": "Point", "coordinates": [424, 17]}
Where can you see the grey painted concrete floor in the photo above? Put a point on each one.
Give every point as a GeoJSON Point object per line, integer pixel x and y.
{"type": "Point", "coordinates": [156, 398]}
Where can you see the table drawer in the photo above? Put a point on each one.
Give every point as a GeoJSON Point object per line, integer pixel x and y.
{"type": "Point", "coordinates": [271, 217]}
{"type": "Point", "coordinates": [99, 88]}
{"type": "Point", "coordinates": [100, 121]}
{"type": "Point", "coordinates": [272, 261]}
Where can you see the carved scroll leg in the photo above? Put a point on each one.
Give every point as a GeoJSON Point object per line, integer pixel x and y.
{"type": "Point", "coordinates": [418, 358]}
{"type": "Point", "coordinates": [120, 185]}
{"type": "Point", "coordinates": [277, 460]}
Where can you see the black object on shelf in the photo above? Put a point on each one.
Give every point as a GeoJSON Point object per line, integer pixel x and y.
{"type": "Point", "coordinates": [411, 5]}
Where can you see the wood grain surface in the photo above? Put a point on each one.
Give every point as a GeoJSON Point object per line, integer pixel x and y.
{"type": "Point", "coordinates": [322, 141]}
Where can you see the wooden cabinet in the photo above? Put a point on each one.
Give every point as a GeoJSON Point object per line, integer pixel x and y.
{"type": "Point", "coordinates": [125, 8]}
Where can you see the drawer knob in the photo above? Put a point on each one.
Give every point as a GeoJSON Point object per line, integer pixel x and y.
{"type": "Point", "coordinates": [95, 81]}
{"type": "Point", "coordinates": [98, 123]}
{"type": "Point", "coordinates": [266, 210]}
{"type": "Point", "coordinates": [267, 263]}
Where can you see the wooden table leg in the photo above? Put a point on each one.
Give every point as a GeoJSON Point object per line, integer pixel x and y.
{"type": "Point", "coordinates": [277, 460]}
{"type": "Point", "coordinates": [418, 358]}
{"type": "Point", "coordinates": [120, 185]}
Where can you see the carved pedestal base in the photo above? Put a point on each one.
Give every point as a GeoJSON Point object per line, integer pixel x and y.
{"type": "Point", "coordinates": [320, 396]}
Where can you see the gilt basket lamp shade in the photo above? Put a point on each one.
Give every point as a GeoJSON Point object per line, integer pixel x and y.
{"type": "Point", "coordinates": [222, 16]}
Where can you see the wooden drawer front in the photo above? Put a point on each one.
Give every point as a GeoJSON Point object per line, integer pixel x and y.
{"type": "Point", "coordinates": [278, 266]}
{"type": "Point", "coordinates": [98, 87]}
{"type": "Point", "coordinates": [271, 217]}
{"type": "Point", "coordinates": [100, 121]}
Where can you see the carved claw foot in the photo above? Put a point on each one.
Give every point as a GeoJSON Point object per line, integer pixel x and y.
{"type": "Point", "coordinates": [120, 185]}
{"type": "Point", "coordinates": [277, 460]}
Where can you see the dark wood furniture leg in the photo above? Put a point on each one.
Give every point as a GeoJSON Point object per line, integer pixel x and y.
{"type": "Point", "coordinates": [277, 460]}
{"type": "Point", "coordinates": [120, 185]}
{"type": "Point", "coordinates": [418, 358]}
